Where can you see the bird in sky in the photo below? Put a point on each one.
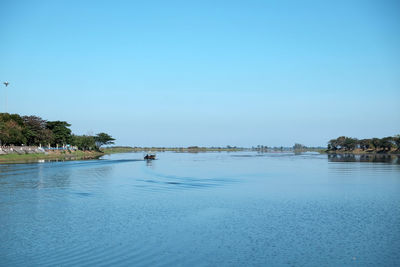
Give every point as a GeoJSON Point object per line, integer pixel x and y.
{"type": "Point", "coordinates": [6, 83]}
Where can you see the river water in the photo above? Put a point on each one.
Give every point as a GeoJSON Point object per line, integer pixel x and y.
{"type": "Point", "coordinates": [205, 209]}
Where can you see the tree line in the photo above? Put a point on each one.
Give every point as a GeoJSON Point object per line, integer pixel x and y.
{"type": "Point", "coordinates": [35, 131]}
{"type": "Point", "coordinates": [385, 144]}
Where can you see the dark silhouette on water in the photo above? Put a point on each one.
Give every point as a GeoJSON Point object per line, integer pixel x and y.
{"type": "Point", "coordinates": [150, 156]}
{"type": "Point", "coordinates": [383, 158]}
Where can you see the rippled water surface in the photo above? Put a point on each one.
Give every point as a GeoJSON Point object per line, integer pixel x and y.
{"type": "Point", "coordinates": [206, 209]}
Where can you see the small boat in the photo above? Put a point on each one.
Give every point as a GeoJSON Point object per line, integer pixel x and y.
{"type": "Point", "coordinates": [150, 156]}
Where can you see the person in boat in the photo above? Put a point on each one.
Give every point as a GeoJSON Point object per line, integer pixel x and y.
{"type": "Point", "coordinates": [150, 156]}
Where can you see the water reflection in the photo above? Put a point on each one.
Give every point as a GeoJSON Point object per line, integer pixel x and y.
{"type": "Point", "coordinates": [382, 158]}
{"type": "Point", "coordinates": [149, 163]}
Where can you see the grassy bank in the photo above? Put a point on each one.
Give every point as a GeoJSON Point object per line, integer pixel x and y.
{"type": "Point", "coordinates": [76, 155]}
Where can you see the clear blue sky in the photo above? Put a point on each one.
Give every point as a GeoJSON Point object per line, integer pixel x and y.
{"type": "Point", "coordinates": [178, 73]}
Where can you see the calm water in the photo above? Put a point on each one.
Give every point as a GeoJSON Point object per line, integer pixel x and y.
{"type": "Point", "coordinates": [206, 209]}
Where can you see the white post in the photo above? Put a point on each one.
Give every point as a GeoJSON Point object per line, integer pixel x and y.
{"type": "Point", "coordinates": [6, 98]}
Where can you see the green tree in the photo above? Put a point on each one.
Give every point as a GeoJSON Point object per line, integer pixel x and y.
{"type": "Point", "coordinates": [387, 143]}
{"type": "Point", "coordinates": [36, 132]}
{"type": "Point", "coordinates": [103, 139]}
{"type": "Point", "coordinates": [11, 133]}
{"type": "Point", "coordinates": [396, 140]}
{"type": "Point", "coordinates": [343, 143]}
{"type": "Point", "coordinates": [84, 142]}
{"type": "Point", "coordinates": [365, 144]}
{"type": "Point", "coordinates": [61, 132]}
{"type": "Point", "coordinates": [298, 146]}
{"type": "Point", "coordinates": [376, 142]}
{"type": "Point", "coordinates": [333, 144]}
{"type": "Point", "coordinates": [12, 129]}
{"type": "Point", "coordinates": [350, 143]}
{"type": "Point", "coordinates": [4, 117]}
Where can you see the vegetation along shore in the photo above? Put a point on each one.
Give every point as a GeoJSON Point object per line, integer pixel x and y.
{"type": "Point", "coordinates": [33, 138]}
{"type": "Point", "coordinates": [386, 145]}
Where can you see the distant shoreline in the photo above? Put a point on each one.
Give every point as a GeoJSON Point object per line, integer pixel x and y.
{"type": "Point", "coordinates": [81, 155]}
{"type": "Point", "coordinates": [174, 149]}
{"type": "Point", "coordinates": [208, 149]}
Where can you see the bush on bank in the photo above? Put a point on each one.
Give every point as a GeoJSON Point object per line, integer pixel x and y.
{"type": "Point", "coordinates": [34, 131]}
{"type": "Point", "coordinates": [386, 144]}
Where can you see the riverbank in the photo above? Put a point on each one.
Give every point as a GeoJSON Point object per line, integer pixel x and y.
{"type": "Point", "coordinates": [59, 155]}
{"type": "Point", "coordinates": [21, 154]}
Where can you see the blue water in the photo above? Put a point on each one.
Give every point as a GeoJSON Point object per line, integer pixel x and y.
{"type": "Point", "coordinates": [206, 209]}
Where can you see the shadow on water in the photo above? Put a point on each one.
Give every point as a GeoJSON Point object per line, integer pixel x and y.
{"type": "Point", "coordinates": [377, 158]}
{"type": "Point", "coordinates": [150, 163]}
